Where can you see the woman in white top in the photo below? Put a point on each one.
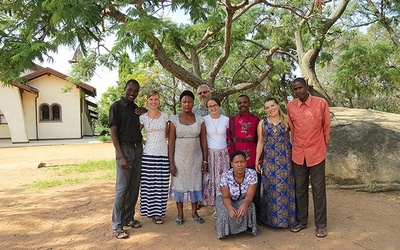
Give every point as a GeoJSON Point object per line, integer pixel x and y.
{"type": "Point", "coordinates": [218, 156]}
{"type": "Point", "coordinates": [155, 165]}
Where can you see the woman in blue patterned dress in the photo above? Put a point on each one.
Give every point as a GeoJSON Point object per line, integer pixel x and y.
{"type": "Point", "coordinates": [273, 161]}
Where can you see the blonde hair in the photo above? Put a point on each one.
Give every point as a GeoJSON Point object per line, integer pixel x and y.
{"type": "Point", "coordinates": [152, 93]}
{"type": "Point", "coordinates": [282, 116]}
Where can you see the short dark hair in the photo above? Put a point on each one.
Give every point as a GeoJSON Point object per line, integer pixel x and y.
{"type": "Point", "coordinates": [131, 81]}
{"type": "Point", "coordinates": [300, 80]}
{"type": "Point", "coordinates": [236, 153]}
{"type": "Point", "coordinates": [248, 98]}
{"type": "Point", "coordinates": [215, 99]}
{"type": "Point", "coordinates": [186, 93]}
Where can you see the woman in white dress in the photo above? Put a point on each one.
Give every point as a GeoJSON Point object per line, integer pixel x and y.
{"type": "Point", "coordinates": [187, 151]}
{"type": "Point", "coordinates": [155, 165]}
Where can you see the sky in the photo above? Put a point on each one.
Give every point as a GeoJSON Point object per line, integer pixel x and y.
{"type": "Point", "coordinates": [103, 77]}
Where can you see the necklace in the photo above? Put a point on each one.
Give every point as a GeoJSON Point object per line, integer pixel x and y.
{"type": "Point", "coordinates": [216, 127]}
{"type": "Point", "coordinates": [154, 117]}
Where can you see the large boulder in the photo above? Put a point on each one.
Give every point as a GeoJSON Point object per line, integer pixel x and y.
{"type": "Point", "coordinates": [364, 147]}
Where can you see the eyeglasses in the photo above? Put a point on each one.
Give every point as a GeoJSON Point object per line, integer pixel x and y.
{"type": "Point", "coordinates": [204, 92]}
{"type": "Point", "coordinates": [213, 106]}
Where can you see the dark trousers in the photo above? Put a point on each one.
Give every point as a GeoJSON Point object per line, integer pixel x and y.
{"type": "Point", "coordinates": [127, 186]}
{"type": "Point", "coordinates": [303, 175]}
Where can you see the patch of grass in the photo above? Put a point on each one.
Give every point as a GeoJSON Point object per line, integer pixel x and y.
{"type": "Point", "coordinates": [88, 166]}
{"type": "Point", "coordinates": [10, 205]}
{"type": "Point", "coordinates": [107, 176]}
{"type": "Point", "coordinates": [78, 173]}
{"type": "Point", "coordinates": [372, 188]}
{"type": "Point", "coordinates": [54, 183]}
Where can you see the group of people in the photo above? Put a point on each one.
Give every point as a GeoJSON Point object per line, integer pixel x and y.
{"type": "Point", "coordinates": [251, 171]}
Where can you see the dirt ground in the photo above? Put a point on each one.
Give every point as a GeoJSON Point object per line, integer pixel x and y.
{"type": "Point", "coordinates": [78, 216]}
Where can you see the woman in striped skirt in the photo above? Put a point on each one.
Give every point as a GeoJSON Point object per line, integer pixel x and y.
{"type": "Point", "coordinates": [155, 165]}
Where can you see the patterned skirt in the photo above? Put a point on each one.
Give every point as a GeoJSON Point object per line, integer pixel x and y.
{"type": "Point", "coordinates": [226, 225]}
{"type": "Point", "coordinates": [218, 163]}
{"type": "Point", "coordinates": [154, 185]}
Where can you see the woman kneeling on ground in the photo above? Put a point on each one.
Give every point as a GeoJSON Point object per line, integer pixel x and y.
{"type": "Point", "coordinates": [236, 212]}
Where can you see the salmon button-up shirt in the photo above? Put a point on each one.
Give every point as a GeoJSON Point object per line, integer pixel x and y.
{"type": "Point", "coordinates": [309, 123]}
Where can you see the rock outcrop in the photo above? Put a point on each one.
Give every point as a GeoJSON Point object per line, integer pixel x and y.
{"type": "Point", "coordinates": [364, 148]}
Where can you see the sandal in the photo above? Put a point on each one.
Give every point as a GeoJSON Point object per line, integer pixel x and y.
{"type": "Point", "coordinates": [179, 221]}
{"type": "Point", "coordinates": [120, 233]}
{"type": "Point", "coordinates": [297, 228]}
{"type": "Point", "coordinates": [157, 220]}
{"type": "Point", "coordinates": [134, 224]}
{"type": "Point", "coordinates": [321, 232]}
{"type": "Point", "coordinates": [198, 219]}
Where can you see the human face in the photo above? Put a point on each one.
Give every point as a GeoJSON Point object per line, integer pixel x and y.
{"type": "Point", "coordinates": [213, 107]}
{"type": "Point", "coordinates": [239, 164]}
{"type": "Point", "coordinates": [204, 93]}
{"type": "Point", "coordinates": [300, 91]}
{"type": "Point", "coordinates": [271, 108]}
{"type": "Point", "coordinates": [187, 104]}
{"type": "Point", "coordinates": [243, 104]}
{"type": "Point", "coordinates": [153, 101]}
{"type": "Point", "coordinates": [131, 92]}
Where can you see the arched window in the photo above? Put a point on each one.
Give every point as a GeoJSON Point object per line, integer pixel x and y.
{"type": "Point", "coordinates": [44, 112]}
{"type": "Point", "coordinates": [56, 112]}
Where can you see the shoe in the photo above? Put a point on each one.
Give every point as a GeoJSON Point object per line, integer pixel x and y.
{"type": "Point", "coordinates": [133, 224]}
{"type": "Point", "coordinates": [321, 232]}
{"type": "Point", "coordinates": [214, 215]}
{"type": "Point", "coordinates": [120, 233]}
{"type": "Point", "coordinates": [157, 220]}
{"type": "Point", "coordinates": [297, 228]}
{"type": "Point", "coordinates": [260, 223]}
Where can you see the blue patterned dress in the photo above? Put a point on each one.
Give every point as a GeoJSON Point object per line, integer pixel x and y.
{"type": "Point", "coordinates": [278, 202]}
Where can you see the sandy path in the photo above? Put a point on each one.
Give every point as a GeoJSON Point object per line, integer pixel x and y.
{"type": "Point", "coordinates": [78, 216]}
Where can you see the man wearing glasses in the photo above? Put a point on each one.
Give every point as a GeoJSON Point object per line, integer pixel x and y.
{"type": "Point", "coordinates": [203, 91]}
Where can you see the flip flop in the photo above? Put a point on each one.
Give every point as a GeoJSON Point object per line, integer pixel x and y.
{"type": "Point", "coordinates": [179, 221]}
{"type": "Point", "coordinates": [199, 220]}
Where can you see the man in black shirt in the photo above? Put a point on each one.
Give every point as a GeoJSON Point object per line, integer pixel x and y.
{"type": "Point", "coordinates": [127, 140]}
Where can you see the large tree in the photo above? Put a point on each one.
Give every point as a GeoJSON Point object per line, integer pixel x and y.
{"type": "Point", "coordinates": [226, 44]}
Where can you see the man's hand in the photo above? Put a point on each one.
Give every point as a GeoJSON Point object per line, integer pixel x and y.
{"type": "Point", "coordinates": [140, 110]}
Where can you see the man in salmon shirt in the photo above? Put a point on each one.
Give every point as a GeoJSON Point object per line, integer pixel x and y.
{"type": "Point", "coordinates": [309, 122]}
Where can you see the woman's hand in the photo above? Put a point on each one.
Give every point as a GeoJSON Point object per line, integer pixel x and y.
{"type": "Point", "coordinates": [233, 213]}
{"type": "Point", "coordinates": [173, 170]}
{"type": "Point", "coordinates": [258, 167]}
{"type": "Point", "coordinates": [204, 167]}
{"type": "Point", "coordinates": [242, 211]}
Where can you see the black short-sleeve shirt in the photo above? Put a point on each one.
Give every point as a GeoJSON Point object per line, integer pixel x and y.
{"type": "Point", "coordinates": [122, 114]}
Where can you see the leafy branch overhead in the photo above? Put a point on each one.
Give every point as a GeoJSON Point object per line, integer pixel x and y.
{"type": "Point", "coordinates": [231, 45]}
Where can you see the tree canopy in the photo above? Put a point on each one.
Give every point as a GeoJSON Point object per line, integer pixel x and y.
{"type": "Point", "coordinates": [231, 45]}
